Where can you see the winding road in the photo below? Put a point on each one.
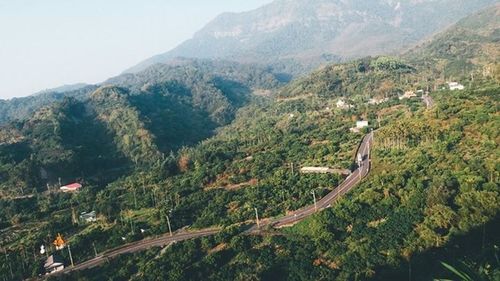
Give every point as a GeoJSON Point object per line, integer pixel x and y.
{"type": "Point", "coordinates": [298, 215]}
{"type": "Point", "coordinates": [138, 246]}
{"type": "Point", "coordinates": [326, 202]}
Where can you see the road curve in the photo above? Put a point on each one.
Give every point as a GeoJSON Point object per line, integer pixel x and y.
{"type": "Point", "coordinates": [138, 246]}
{"type": "Point", "coordinates": [325, 202]}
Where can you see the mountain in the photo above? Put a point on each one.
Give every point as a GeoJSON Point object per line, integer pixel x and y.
{"type": "Point", "coordinates": [22, 108]}
{"type": "Point", "coordinates": [309, 32]}
{"type": "Point", "coordinates": [199, 143]}
{"type": "Point", "coordinates": [64, 88]}
{"type": "Point", "coordinates": [432, 188]}
{"type": "Point", "coordinates": [132, 120]}
{"type": "Point", "coordinates": [472, 44]}
{"type": "Point", "coordinates": [202, 77]}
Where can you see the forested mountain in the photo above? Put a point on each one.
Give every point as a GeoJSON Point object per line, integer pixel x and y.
{"type": "Point", "coordinates": [204, 79]}
{"type": "Point", "coordinates": [135, 119]}
{"type": "Point", "coordinates": [431, 197]}
{"type": "Point", "coordinates": [308, 32]}
{"type": "Point", "coordinates": [197, 143]}
{"type": "Point", "coordinates": [22, 108]}
{"type": "Point", "coordinates": [469, 47]}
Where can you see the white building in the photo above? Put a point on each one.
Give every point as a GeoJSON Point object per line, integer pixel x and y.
{"type": "Point", "coordinates": [361, 124]}
{"type": "Point", "coordinates": [314, 170]}
{"type": "Point", "coordinates": [343, 105]}
{"type": "Point", "coordinates": [324, 170]}
{"type": "Point", "coordinates": [374, 101]}
{"type": "Point", "coordinates": [88, 217]}
{"type": "Point", "coordinates": [53, 264]}
{"type": "Point", "coordinates": [455, 86]}
{"type": "Point", "coordinates": [408, 95]}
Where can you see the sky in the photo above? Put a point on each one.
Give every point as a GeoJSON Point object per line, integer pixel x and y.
{"type": "Point", "coordinates": [49, 43]}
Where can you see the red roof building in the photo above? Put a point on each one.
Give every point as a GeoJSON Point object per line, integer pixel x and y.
{"type": "Point", "coordinates": [71, 187]}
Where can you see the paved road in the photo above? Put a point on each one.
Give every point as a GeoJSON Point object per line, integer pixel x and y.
{"type": "Point", "coordinates": [325, 202]}
{"type": "Point", "coordinates": [139, 246]}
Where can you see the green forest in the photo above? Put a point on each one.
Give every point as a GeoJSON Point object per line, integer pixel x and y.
{"type": "Point", "coordinates": [202, 144]}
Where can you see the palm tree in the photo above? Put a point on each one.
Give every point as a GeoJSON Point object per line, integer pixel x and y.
{"type": "Point", "coordinates": [462, 272]}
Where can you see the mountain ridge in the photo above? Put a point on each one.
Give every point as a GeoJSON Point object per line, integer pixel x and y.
{"type": "Point", "coordinates": [314, 32]}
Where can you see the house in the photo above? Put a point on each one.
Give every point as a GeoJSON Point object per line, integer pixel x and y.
{"type": "Point", "coordinates": [408, 95]}
{"type": "Point", "coordinates": [314, 170]}
{"type": "Point", "coordinates": [455, 86]}
{"type": "Point", "coordinates": [374, 101]}
{"type": "Point", "coordinates": [324, 170]}
{"type": "Point", "coordinates": [343, 105]}
{"type": "Point", "coordinates": [361, 124]}
{"type": "Point", "coordinates": [71, 187]}
{"type": "Point", "coordinates": [53, 264]}
{"type": "Point", "coordinates": [88, 217]}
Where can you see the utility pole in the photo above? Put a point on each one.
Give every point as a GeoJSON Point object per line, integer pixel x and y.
{"type": "Point", "coordinates": [70, 256]}
{"type": "Point", "coordinates": [8, 262]}
{"type": "Point", "coordinates": [169, 228]}
{"type": "Point", "coordinates": [314, 198]}
{"type": "Point", "coordinates": [95, 251]}
{"type": "Point", "coordinates": [370, 143]}
{"type": "Point", "coordinates": [283, 200]}
{"type": "Point", "coordinates": [257, 217]}
{"type": "Point", "coordinates": [135, 199]}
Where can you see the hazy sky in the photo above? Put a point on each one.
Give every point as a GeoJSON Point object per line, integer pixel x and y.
{"type": "Point", "coordinates": [48, 43]}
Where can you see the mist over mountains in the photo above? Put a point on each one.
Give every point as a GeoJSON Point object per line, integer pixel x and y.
{"type": "Point", "coordinates": [311, 32]}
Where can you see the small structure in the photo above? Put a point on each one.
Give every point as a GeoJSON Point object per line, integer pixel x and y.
{"type": "Point", "coordinates": [455, 86]}
{"type": "Point", "coordinates": [53, 264]}
{"type": "Point", "coordinates": [375, 101]}
{"type": "Point", "coordinates": [343, 105]}
{"type": "Point", "coordinates": [314, 170]}
{"type": "Point", "coordinates": [361, 124]}
{"type": "Point", "coordinates": [71, 187]}
{"type": "Point", "coordinates": [88, 217]}
{"type": "Point", "coordinates": [324, 170]}
{"type": "Point", "coordinates": [408, 95]}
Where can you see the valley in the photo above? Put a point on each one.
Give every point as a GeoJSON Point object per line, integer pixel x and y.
{"type": "Point", "coordinates": [376, 166]}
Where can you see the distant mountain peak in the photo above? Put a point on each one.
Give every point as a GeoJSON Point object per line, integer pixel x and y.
{"type": "Point", "coordinates": [314, 31]}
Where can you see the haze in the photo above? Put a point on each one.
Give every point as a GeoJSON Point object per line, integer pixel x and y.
{"type": "Point", "coordinates": [46, 44]}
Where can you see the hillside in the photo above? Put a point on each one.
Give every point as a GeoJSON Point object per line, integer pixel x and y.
{"type": "Point", "coordinates": [469, 46]}
{"type": "Point", "coordinates": [22, 108]}
{"type": "Point", "coordinates": [433, 189]}
{"type": "Point", "coordinates": [202, 79]}
{"type": "Point", "coordinates": [432, 196]}
{"type": "Point", "coordinates": [307, 33]}
{"type": "Point", "coordinates": [197, 143]}
{"type": "Point", "coordinates": [132, 122]}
